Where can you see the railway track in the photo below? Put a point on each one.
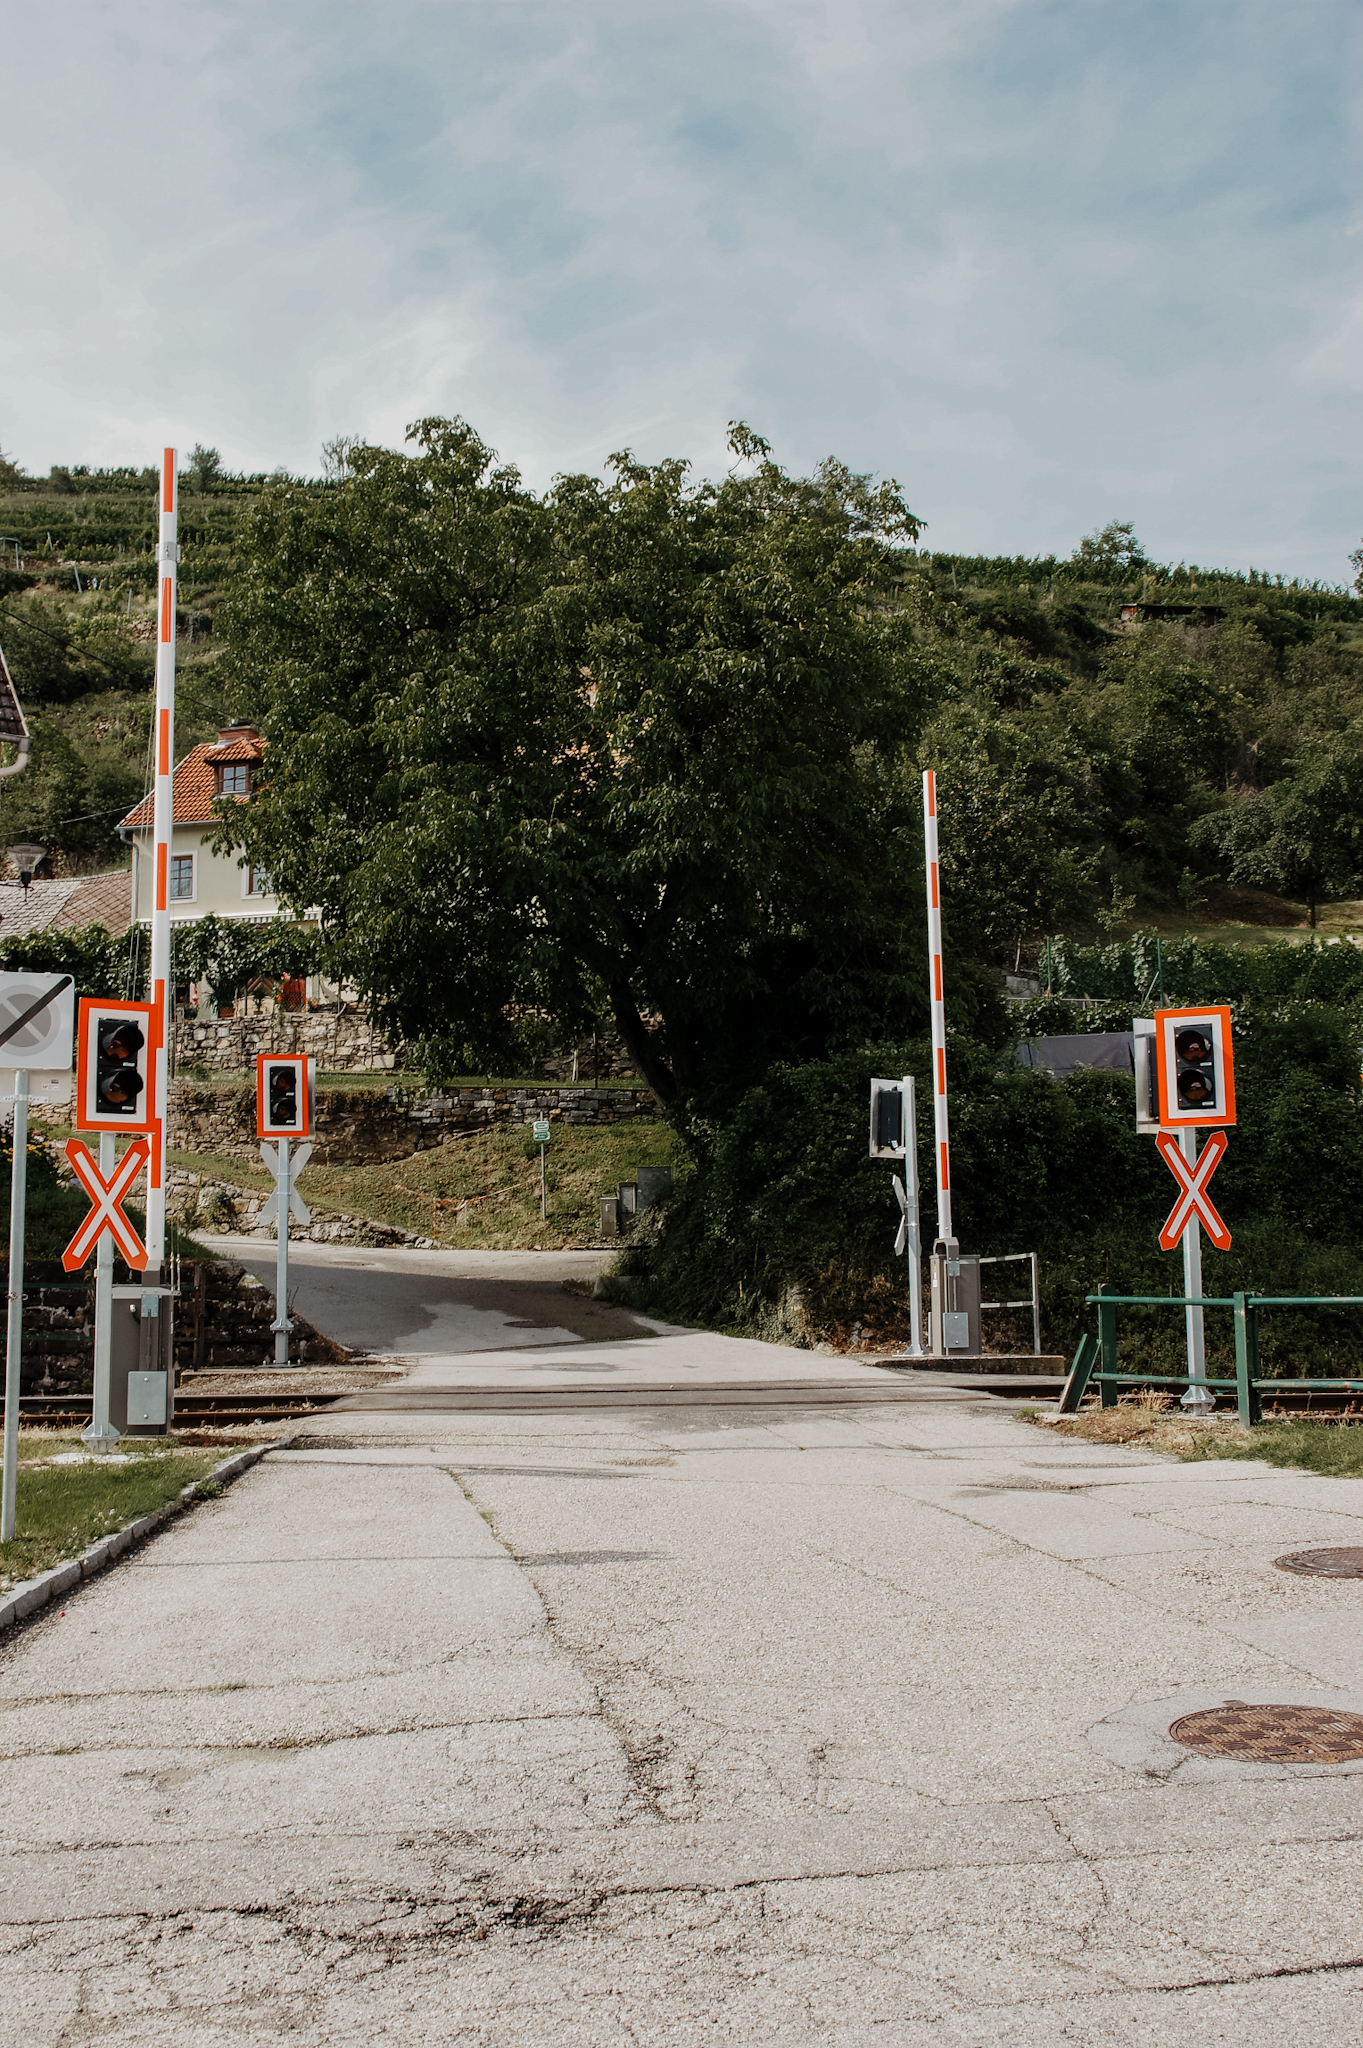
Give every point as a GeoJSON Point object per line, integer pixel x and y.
{"type": "Point", "coordinates": [192, 1411]}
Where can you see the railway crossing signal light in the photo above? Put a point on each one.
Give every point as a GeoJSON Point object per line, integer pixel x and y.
{"type": "Point", "coordinates": [284, 1098]}
{"type": "Point", "coordinates": [113, 1066]}
{"type": "Point", "coordinates": [887, 1119]}
{"type": "Point", "coordinates": [1195, 1069]}
{"type": "Point", "coordinates": [284, 1091]}
{"type": "Point", "coordinates": [118, 1082]}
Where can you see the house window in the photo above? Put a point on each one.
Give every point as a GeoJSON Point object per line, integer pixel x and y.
{"type": "Point", "coordinates": [257, 882]}
{"type": "Point", "coordinates": [181, 877]}
{"type": "Point", "coordinates": [235, 779]}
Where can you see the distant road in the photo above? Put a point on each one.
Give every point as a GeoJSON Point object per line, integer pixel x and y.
{"type": "Point", "coordinates": [412, 1302]}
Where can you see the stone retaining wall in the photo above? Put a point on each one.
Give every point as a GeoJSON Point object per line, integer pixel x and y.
{"type": "Point", "coordinates": [367, 1126]}
{"type": "Point", "coordinates": [203, 1205]}
{"type": "Point", "coordinates": [341, 1043]}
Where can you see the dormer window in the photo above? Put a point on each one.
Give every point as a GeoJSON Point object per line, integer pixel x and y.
{"type": "Point", "coordinates": [234, 778]}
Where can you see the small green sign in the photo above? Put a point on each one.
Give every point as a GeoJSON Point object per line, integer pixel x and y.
{"type": "Point", "coordinates": [541, 1131]}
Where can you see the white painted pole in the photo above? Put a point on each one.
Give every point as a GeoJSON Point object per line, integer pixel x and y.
{"type": "Point", "coordinates": [163, 828]}
{"type": "Point", "coordinates": [14, 1338]}
{"type": "Point", "coordinates": [1199, 1399]}
{"type": "Point", "coordinates": [913, 1231]}
{"type": "Point", "coordinates": [101, 1435]}
{"type": "Point", "coordinates": [942, 1144]}
{"type": "Point", "coordinates": [281, 1284]}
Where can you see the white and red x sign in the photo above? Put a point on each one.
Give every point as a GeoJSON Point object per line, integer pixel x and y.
{"type": "Point", "coordinates": [1193, 1201]}
{"type": "Point", "coordinates": [107, 1196]}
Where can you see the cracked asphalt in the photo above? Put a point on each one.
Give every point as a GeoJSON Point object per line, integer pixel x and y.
{"type": "Point", "coordinates": [755, 1725]}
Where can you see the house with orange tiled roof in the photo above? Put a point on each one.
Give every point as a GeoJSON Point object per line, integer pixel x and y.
{"type": "Point", "coordinates": [201, 881]}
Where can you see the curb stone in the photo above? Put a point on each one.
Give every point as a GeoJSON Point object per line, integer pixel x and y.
{"type": "Point", "coordinates": [31, 1594]}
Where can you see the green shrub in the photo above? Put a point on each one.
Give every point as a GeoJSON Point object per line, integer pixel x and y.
{"type": "Point", "coordinates": [786, 1222]}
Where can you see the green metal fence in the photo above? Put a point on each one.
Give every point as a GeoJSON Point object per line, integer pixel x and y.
{"type": "Point", "coordinates": [1249, 1385]}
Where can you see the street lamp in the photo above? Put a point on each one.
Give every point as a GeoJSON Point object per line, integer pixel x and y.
{"type": "Point", "coordinates": [26, 858]}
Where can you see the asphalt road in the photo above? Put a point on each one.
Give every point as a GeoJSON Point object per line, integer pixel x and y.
{"type": "Point", "coordinates": [416, 1304]}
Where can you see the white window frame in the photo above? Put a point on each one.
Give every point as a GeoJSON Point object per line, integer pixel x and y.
{"type": "Point", "coordinates": [193, 860]}
{"type": "Point", "coordinates": [232, 768]}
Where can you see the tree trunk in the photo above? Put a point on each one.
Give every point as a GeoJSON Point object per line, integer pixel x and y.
{"type": "Point", "coordinates": [1311, 912]}
{"type": "Point", "coordinates": [640, 1045]}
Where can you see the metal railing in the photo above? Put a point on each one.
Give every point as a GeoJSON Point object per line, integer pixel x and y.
{"type": "Point", "coordinates": [1249, 1385]}
{"type": "Point", "coordinates": [1032, 1301]}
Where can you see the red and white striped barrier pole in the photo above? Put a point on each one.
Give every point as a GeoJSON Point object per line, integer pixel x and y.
{"type": "Point", "coordinates": [163, 826]}
{"type": "Point", "coordinates": [942, 1147]}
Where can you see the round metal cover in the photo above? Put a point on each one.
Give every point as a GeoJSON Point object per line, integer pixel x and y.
{"type": "Point", "coordinates": [1346, 1563]}
{"type": "Point", "coordinates": [1273, 1735]}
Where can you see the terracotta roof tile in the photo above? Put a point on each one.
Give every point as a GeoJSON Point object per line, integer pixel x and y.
{"type": "Point", "coordinates": [98, 899]}
{"type": "Point", "coordinates": [194, 783]}
{"type": "Point", "coordinates": [247, 748]}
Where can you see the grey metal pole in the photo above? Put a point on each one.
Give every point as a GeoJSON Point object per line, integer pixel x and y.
{"type": "Point", "coordinates": [1036, 1308]}
{"type": "Point", "coordinates": [913, 1232]}
{"type": "Point", "coordinates": [101, 1435]}
{"type": "Point", "coordinates": [544, 1191]}
{"type": "Point", "coordinates": [18, 1190]}
{"type": "Point", "coordinates": [281, 1231]}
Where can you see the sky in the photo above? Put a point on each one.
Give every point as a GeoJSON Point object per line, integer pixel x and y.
{"type": "Point", "coordinates": [1048, 263]}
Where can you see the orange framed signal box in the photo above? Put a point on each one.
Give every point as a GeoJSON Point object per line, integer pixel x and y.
{"type": "Point", "coordinates": [284, 1092]}
{"type": "Point", "coordinates": [115, 1049]}
{"type": "Point", "coordinates": [1195, 1068]}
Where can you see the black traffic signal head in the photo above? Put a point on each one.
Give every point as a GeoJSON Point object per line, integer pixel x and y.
{"type": "Point", "coordinates": [117, 1081]}
{"type": "Point", "coordinates": [1195, 1068]}
{"type": "Point", "coordinates": [284, 1097]}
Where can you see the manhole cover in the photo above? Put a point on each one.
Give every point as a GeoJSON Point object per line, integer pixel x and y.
{"type": "Point", "coordinates": [1273, 1735]}
{"type": "Point", "coordinates": [1325, 1564]}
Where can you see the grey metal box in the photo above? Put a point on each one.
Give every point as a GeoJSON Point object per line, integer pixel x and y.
{"type": "Point", "coordinates": [654, 1184]}
{"type": "Point", "coordinates": [147, 1398]}
{"type": "Point", "coordinates": [956, 1329]}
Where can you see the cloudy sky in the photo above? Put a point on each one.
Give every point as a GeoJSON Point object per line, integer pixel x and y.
{"type": "Point", "coordinates": [1048, 262]}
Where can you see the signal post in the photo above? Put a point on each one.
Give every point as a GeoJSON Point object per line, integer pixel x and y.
{"type": "Point", "coordinates": [285, 1095]}
{"type": "Point", "coordinates": [115, 1051]}
{"type": "Point", "coordinates": [1185, 1082]}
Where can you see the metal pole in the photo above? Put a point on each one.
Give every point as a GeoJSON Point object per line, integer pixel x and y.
{"type": "Point", "coordinates": [101, 1435]}
{"type": "Point", "coordinates": [1036, 1308]}
{"type": "Point", "coordinates": [939, 1027]}
{"type": "Point", "coordinates": [163, 828]}
{"type": "Point", "coordinates": [1199, 1399]}
{"type": "Point", "coordinates": [14, 1340]}
{"type": "Point", "coordinates": [281, 1285]}
{"type": "Point", "coordinates": [913, 1231]}
{"type": "Point", "coordinates": [544, 1191]}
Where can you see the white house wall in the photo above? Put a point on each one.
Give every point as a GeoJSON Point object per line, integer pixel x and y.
{"type": "Point", "coordinates": [219, 884]}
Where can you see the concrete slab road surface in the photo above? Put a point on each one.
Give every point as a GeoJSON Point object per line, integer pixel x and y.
{"type": "Point", "coordinates": [788, 1723]}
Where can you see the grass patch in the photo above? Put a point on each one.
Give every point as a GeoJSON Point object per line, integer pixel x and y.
{"type": "Point", "coordinates": [497, 1172]}
{"type": "Point", "coordinates": [61, 1509]}
{"type": "Point", "coordinates": [1334, 1449]}
{"type": "Point", "coordinates": [233, 1080]}
{"type": "Point", "coordinates": [238, 1173]}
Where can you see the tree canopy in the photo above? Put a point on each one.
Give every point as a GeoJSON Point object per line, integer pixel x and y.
{"type": "Point", "coordinates": [625, 746]}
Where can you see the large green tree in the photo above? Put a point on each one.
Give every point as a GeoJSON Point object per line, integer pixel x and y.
{"type": "Point", "coordinates": [1303, 834]}
{"type": "Point", "coordinates": [620, 747]}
